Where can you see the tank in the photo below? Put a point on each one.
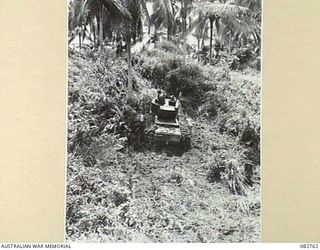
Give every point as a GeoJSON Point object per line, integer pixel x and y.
{"type": "Point", "coordinates": [168, 130]}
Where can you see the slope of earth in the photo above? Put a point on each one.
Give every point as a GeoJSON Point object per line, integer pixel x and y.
{"type": "Point", "coordinates": [154, 196]}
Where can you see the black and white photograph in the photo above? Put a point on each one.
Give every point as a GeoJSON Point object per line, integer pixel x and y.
{"type": "Point", "coordinates": [163, 121]}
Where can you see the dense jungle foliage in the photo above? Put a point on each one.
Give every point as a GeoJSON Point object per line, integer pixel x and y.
{"type": "Point", "coordinates": [121, 188]}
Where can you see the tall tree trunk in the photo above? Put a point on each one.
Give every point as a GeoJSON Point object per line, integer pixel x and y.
{"type": "Point", "coordinates": [199, 38]}
{"type": "Point", "coordinates": [146, 13]}
{"type": "Point", "coordinates": [93, 27]}
{"type": "Point", "coordinates": [202, 41]}
{"type": "Point", "coordinates": [184, 27]}
{"type": "Point", "coordinates": [101, 27]}
{"type": "Point", "coordinates": [211, 34]}
{"type": "Point", "coordinates": [155, 37]}
{"type": "Point", "coordinates": [173, 28]}
{"type": "Point", "coordinates": [79, 40]}
{"type": "Point", "coordinates": [198, 54]}
{"type": "Point", "coordinates": [169, 27]}
{"type": "Point", "coordinates": [168, 5]}
{"type": "Point", "coordinates": [97, 31]}
{"type": "Point", "coordinates": [129, 95]}
{"type": "Point", "coordinates": [149, 28]}
{"type": "Point", "coordinates": [230, 41]}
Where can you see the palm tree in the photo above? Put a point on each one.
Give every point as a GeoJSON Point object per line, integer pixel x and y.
{"type": "Point", "coordinates": [133, 30]}
{"type": "Point", "coordinates": [163, 15]}
{"type": "Point", "coordinates": [96, 14]}
{"type": "Point", "coordinates": [218, 13]}
{"type": "Point", "coordinates": [255, 18]}
{"type": "Point", "coordinates": [145, 12]}
{"type": "Point", "coordinates": [201, 28]}
{"type": "Point", "coordinates": [100, 15]}
{"type": "Point", "coordinates": [184, 10]}
{"type": "Point", "coordinates": [75, 22]}
{"type": "Point", "coordinates": [173, 16]}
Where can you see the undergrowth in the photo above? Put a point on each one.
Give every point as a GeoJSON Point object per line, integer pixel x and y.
{"type": "Point", "coordinates": [207, 194]}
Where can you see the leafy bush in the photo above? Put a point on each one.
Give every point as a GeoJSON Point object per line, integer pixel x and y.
{"type": "Point", "coordinates": [245, 57]}
{"type": "Point", "coordinates": [229, 166]}
{"type": "Point", "coordinates": [156, 64]}
{"type": "Point", "coordinates": [169, 46]}
{"type": "Point", "coordinates": [239, 104]}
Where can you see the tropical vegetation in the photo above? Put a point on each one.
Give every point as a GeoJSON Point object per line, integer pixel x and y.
{"type": "Point", "coordinates": [121, 188]}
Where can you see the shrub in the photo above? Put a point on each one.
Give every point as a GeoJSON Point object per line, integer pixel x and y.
{"type": "Point", "coordinates": [156, 64]}
{"type": "Point", "coordinates": [188, 82]}
{"type": "Point", "coordinates": [238, 102]}
{"type": "Point", "coordinates": [229, 166]}
{"type": "Point", "coordinates": [169, 46]}
{"type": "Point", "coordinates": [245, 57]}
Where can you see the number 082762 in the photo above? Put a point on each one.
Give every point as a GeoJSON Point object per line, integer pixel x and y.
{"type": "Point", "coordinates": [312, 246]}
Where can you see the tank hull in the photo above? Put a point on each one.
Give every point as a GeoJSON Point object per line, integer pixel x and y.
{"type": "Point", "coordinates": [167, 135]}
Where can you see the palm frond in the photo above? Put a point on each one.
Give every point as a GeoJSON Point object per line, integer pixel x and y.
{"type": "Point", "coordinates": [220, 9]}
